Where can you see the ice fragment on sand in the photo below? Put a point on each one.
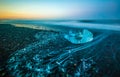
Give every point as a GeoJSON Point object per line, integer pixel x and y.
{"type": "Point", "coordinates": [79, 37]}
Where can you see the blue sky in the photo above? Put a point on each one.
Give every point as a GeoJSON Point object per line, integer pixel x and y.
{"type": "Point", "coordinates": [60, 9]}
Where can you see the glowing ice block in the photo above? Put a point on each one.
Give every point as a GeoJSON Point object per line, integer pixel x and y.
{"type": "Point", "coordinates": [79, 37]}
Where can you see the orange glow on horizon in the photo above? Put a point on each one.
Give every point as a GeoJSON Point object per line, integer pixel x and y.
{"type": "Point", "coordinates": [12, 15]}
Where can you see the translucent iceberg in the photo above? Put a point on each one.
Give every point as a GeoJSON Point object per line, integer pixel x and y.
{"type": "Point", "coordinates": [79, 37]}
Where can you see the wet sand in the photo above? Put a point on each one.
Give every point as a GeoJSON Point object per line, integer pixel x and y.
{"type": "Point", "coordinates": [11, 39]}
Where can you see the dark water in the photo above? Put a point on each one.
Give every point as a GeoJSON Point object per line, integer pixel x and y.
{"type": "Point", "coordinates": [46, 53]}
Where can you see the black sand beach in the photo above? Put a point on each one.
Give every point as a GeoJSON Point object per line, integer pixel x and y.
{"type": "Point", "coordinates": [107, 60]}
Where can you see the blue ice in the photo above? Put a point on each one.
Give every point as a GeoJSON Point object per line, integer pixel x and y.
{"type": "Point", "coordinates": [79, 37]}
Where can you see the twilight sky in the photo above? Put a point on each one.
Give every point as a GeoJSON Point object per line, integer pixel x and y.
{"type": "Point", "coordinates": [59, 9]}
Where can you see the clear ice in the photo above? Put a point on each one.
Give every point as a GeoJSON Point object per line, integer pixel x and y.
{"type": "Point", "coordinates": [79, 37]}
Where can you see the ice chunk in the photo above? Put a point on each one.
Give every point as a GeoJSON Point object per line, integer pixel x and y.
{"type": "Point", "coordinates": [79, 37]}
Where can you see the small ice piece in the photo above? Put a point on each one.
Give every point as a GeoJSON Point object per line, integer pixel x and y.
{"type": "Point", "coordinates": [79, 37]}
